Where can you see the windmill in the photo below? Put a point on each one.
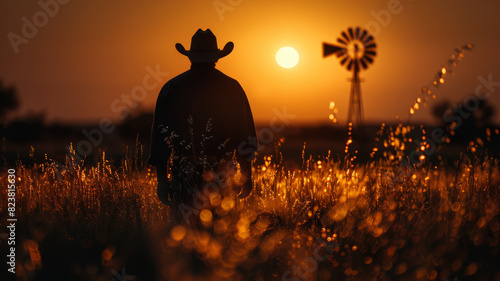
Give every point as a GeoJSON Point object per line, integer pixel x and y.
{"type": "Point", "coordinates": [356, 51]}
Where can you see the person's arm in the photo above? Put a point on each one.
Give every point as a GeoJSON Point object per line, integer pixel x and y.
{"type": "Point", "coordinates": [159, 150]}
{"type": "Point", "coordinates": [163, 188]}
{"type": "Point", "coordinates": [248, 133]}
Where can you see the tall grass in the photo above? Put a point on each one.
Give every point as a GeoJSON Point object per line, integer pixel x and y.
{"type": "Point", "coordinates": [383, 220]}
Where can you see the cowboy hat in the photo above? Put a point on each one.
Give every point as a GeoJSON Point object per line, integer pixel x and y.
{"type": "Point", "coordinates": [204, 47]}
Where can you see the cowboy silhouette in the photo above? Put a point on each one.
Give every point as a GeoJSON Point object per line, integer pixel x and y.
{"type": "Point", "coordinates": [202, 122]}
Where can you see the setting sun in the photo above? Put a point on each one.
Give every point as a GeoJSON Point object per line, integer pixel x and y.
{"type": "Point", "coordinates": [287, 57]}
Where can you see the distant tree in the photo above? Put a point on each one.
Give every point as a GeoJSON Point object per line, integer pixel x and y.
{"type": "Point", "coordinates": [479, 117]}
{"type": "Point", "coordinates": [136, 124]}
{"type": "Point", "coordinates": [439, 109]}
{"type": "Point", "coordinates": [26, 128]}
{"type": "Point", "coordinates": [483, 115]}
{"type": "Point", "coordinates": [9, 101]}
{"type": "Point", "coordinates": [468, 121]}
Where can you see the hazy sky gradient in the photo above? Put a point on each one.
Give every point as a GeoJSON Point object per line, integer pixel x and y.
{"type": "Point", "coordinates": [91, 52]}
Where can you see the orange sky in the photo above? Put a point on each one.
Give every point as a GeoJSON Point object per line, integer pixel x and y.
{"type": "Point", "coordinates": [88, 53]}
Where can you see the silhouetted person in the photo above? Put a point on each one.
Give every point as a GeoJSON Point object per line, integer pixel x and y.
{"type": "Point", "coordinates": [201, 113]}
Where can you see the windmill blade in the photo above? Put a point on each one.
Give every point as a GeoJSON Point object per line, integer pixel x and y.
{"type": "Point", "coordinates": [371, 53]}
{"type": "Point", "coordinates": [351, 33]}
{"type": "Point", "coordinates": [344, 60]}
{"type": "Point", "coordinates": [371, 46]}
{"type": "Point", "coordinates": [341, 41]}
{"type": "Point", "coordinates": [329, 49]}
{"type": "Point", "coordinates": [368, 40]}
{"type": "Point", "coordinates": [363, 63]}
{"type": "Point", "coordinates": [358, 30]}
{"type": "Point", "coordinates": [345, 36]}
{"type": "Point", "coordinates": [363, 35]}
{"type": "Point", "coordinates": [342, 56]}
{"type": "Point", "coordinates": [369, 59]}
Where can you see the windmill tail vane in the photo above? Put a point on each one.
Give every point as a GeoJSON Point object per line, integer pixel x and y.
{"type": "Point", "coordinates": [331, 49]}
{"type": "Point", "coordinates": [356, 50]}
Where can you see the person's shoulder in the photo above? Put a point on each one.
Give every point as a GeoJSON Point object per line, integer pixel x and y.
{"type": "Point", "coordinates": [178, 78]}
{"type": "Point", "coordinates": [224, 76]}
{"type": "Point", "coordinates": [173, 82]}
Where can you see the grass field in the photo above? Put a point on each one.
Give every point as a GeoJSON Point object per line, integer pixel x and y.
{"type": "Point", "coordinates": [328, 220]}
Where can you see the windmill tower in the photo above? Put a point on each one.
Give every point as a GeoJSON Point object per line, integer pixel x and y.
{"type": "Point", "coordinates": [356, 51]}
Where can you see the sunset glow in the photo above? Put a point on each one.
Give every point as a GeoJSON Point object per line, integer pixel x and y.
{"type": "Point", "coordinates": [287, 57]}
